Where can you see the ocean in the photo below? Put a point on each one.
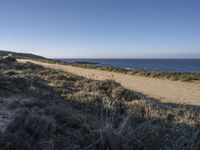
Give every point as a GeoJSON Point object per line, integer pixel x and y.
{"type": "Point", "coordinates": [168, 65]}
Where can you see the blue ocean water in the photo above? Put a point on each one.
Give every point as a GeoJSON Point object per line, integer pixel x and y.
{"type": "Point", "coordinates": [169, 65]}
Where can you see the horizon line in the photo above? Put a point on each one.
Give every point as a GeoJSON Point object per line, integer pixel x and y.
{"type": "Point", "coordinates": [126, 58]}
{"type": "Point", "coordinates": [101, 57]}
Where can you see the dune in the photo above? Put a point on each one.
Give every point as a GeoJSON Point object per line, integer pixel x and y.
{"type": "Point", "coordinates": [166, 91]}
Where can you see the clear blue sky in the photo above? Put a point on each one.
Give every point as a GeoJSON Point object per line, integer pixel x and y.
{"type": "Point", "coordinates": [101, 28]}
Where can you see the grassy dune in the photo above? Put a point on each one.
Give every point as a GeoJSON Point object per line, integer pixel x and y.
{"type": "Point", "coordinates": [174, 76]}
{"type": "Point", "coordinates": [154, 74]}
{"type": "Point", "coordinates": [166, 91]}
{"type": "Point", "coordinates": [49, 109]}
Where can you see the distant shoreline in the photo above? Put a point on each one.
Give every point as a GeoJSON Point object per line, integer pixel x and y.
{"type": "Point", "coordinates": [156, 65]}
{"type": "Point", "coordinates": [175, 76]}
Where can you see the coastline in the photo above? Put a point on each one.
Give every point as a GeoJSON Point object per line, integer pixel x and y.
{"type": "Point", "coordinates": [166, 91]}
{"type": "Point", "coordinates": [174, 76]}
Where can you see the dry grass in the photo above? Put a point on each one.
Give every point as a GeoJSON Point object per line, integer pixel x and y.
{"type": "Point", "coordinates": [62, 111]}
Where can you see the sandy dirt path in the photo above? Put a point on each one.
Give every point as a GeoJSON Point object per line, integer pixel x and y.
{"type": "Point", "coordinates": [165, 90]}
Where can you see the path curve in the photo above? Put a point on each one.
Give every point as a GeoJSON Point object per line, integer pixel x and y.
{"type": "Point", "coordinates": [166, 91]}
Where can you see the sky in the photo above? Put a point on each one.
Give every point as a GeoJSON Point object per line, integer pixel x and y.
{"type": "Point", "coordinates": [101, 28]}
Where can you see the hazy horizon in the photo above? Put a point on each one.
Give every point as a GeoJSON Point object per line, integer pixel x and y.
{"type": "Point", "coordinates": [139, 57]}
{"type": "Point", "coordinates": [102, 29]}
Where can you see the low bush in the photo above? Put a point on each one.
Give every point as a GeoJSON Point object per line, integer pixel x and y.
{"type": "Point", "coordinates": [122, 93]}
{"type": "Point", "coordinates": [9, 59]}
{"type": "Point", "coordinates": [31, 129]}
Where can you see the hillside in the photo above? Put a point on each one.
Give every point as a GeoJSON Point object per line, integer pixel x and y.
{"type": "Point", "coordinates": [47, 109]}
{"type": "Point", "coordinates": [20, 55]}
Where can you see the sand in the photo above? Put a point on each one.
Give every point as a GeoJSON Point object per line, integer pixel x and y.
{"type": "Point", "coordinates": [166, 91]}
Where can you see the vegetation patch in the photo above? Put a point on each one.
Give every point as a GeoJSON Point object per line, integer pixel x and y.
{"type": "Point", "coordinates": [55, 110]}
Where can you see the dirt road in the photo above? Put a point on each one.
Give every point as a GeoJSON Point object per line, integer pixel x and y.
{"type": "Point", "coordinates": [164, 90]}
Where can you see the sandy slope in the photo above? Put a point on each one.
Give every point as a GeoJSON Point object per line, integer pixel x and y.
{"type": "Point", "coordinates": [164, 90]}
